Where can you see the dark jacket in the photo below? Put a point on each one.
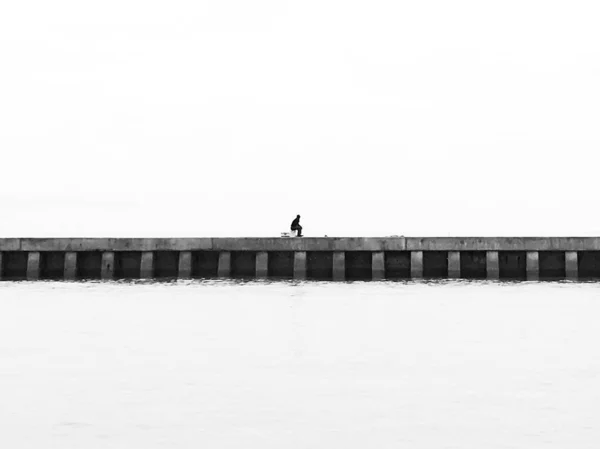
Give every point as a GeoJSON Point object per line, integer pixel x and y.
{"type": "Point", "coordinates": [295, 223]}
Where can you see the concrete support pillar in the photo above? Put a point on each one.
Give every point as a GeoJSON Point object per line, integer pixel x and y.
{"type": "Point", "coordinates": [416, 264]}
{"type": "Point", "coordinates": [492, 265]}
{"type": "Point", "coordinates": [33, 266]}
{"type": "Point", "coordinates": [1, 267]}
{"type": "Point", "coordinates": [107, 270]}
{"type": "Point", "coordinates": [184, 268]}
{"type": "Point", "coordinates": [454, 264]}
{"type": "Point", "coordinates": [70, 266]}
{"type": "Point", "coordinates": [378, 265]}
{"type": "Point", "coordinates": [224, 269]}
{"type": "Point", "coordinates": [533, 265]}
{"type": "Point", "coordinates": [571, 266]}
{"type": "Point", "coordinates": [339, 266]}
{"type": "Point", "coordinates": [147, 265]}
{"type": "Point", "coordinates": [300, 265]}
{"type": "Point", "coordinates": [262, 264]}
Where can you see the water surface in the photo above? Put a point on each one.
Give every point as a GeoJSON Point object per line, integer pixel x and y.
{"type": "Point", "coordinates": [299, 365]}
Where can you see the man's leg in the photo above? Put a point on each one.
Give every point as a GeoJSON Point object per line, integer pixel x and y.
{"type": "Point", "coordinates": [299, 231]}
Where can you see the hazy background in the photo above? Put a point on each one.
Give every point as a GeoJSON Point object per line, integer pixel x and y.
{"type": "Point", "coordinates": [229, 117]}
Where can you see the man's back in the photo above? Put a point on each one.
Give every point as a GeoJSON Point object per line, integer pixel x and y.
{"type": "Point", "coordinates": [296, 226]}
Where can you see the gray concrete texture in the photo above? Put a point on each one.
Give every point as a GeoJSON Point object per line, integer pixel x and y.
{"type": "Point", "coordinates": [305, 244]}
{"type": "Point", "coordinates": [336, 259]}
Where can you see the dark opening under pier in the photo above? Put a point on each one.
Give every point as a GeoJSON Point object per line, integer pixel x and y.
{"type": "Point", "coordinates": [327, 258]}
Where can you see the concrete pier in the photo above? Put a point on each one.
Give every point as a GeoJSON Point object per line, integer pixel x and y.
{"type": "Point", "coordinates": [339, 266]}
{"type": "Point", "coordinates": [33, 266]}
{"type": "Point", "coordinates": [454, 264]}
{"type": "Point", "coordinates": [416, 264]}
{"type": "Point", "coordinates": [340, 259]}
{"type": "Point", "coordinates": [378, 265]}
{"type": "Point", "coordinates": [224, 268]}
{"type": "Point", "coordinates": [108, 265]}
{"type": "Point", "coordinates": [262, 264]}
{"type": "Point", "coordinates": [300, 265]}
{"type": "Point", "coordinates": [533, 265]}
{"type": "Point", "coordinates": [70, 266]}
{"type": "Point", "coordinates": [147, 265]}
{"type": "Point", "coordinates": [492, 265]}
{"type": "Point", "coordinates": [571, 265]}
{"type": "Point", "coordinates": [184, 266]}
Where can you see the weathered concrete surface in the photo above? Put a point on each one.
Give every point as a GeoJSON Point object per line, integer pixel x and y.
{"type": "Point", "coordinates": [328, 258]}
{"type": "Point", "coordinates": [571, 265]}
{"type": "Point", "coordinates": [492, 265]}
{"type": "Point", "coordinates": [70, 266]}
{"type": "Point", "coordinates": [147, 265]}
{"type": "Point", "coordinates": [533, 265]}
{"type": "Point", "coordinates": [10, 244]}
{"type": "Point", "coordinates": [378, 265]}
{"type": "Point", "coordinates": [224, 269]}
{"type": "Point", "coordinates": [454, 265]}
{"type": "Point", "coordinates": [339, 266]}
{"type": "Point", "coordinates": [502, 243]}
{"type": "Point", "coordinates": [309, 244]}
{"type": "Point", "coordinates": [416, 264]}
{"type": "Point", "coordinates": [262, 264]}
{"type": "Point", "coordinates": [115, 244]}
{"type": "Point", "coordinates": [107, 270]}
{"type": "Point", "coordinates": [300, 265]}
{"type": "Point", "coordinates": [33, 266]}
{"type": "Point", "coordinates": [305, 244]}
{"type": "Point", "coordinates": [184, 269]}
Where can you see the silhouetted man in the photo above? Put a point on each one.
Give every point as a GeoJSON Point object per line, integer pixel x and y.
{"type": "Point", "coordinates": [296, 225]}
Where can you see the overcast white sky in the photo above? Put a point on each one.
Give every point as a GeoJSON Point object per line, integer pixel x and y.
{"type": "Point", "coordinates": [229, 117]}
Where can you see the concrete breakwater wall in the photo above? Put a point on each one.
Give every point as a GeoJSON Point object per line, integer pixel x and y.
{"type": "Point", "coordinates": [326, 258]}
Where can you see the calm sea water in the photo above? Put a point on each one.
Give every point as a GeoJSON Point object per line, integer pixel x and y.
{"type": "Point", "coordinates": [299, 365]}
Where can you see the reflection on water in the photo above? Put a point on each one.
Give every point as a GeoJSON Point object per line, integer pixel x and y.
{"type": "Point", "coordinates": [262, 363]}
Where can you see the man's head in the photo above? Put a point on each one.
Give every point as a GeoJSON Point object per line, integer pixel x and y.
{"type": "Point", "coordinates": [297, 216]}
